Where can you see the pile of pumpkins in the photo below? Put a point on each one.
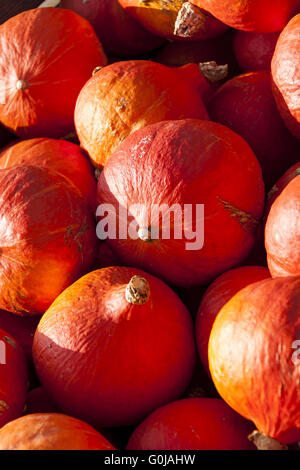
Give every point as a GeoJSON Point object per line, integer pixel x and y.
{"type": "Point", "coordinates": [116, 342]}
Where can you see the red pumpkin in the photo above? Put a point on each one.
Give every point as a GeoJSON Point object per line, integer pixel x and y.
{"type": "Point", "coordinates": [40, 71]}
{"type": "Point", "coordinates": [246, 105]}
{"type": "Point", "coordinates": [254, 51]}
{"type": "Point", "coordinates": [47, 238]}
{"type": "Point", "coordinates": [180, 162]}
{"type": "Point", "coordinates": [114, 346]}
{"type": "Point", "coordinates": [128, 95]}
{"type": "Point", "coordinates": [64, 157]}
{"type": "Point", "coordinates": [51, 431]}
{"type": "Point", "coordinates": [218, 293]}
{"type": "Point", "coordinates": [285, 68]}
{"type": "Point", "coordinates": [251, 15]}
{"type": "Point", "coordinates": [192, 424]}
{"type": "Point", "coordinates": [39, 401]}
{"type": "Point", "coordinates": [13, 378]}
{"type": "Point", "coordinates": [159, 17]}
{"type": "Point", "coordinates": [254, 358]}
{"type": "Point", "coordinates": [282, 232]}
{"type": "Point", "coordinates": [119, 33]}
{"type": "Point", "coordinates": [279, 186]}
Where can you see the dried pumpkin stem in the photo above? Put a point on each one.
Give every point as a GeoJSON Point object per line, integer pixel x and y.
{"type": "Point", "coordinates": [212, 71]}
{"type": "Point", "coordinates": [21, 85]}
{"type": "Point", "coordinates": [189, 21]}
{"type": "Point", "coordinates": [96, 69]}
{"type": "Point", "coordinates": [264, 442]}
{"type": "Point", "coordinates": [137, 291]}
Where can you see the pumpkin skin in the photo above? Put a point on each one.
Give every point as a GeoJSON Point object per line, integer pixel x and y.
{"type": "Point", "coordinates": [90, 370]}
{"type": "Point", "coordinates": [39, 401]}
{"type": "Point", "coordinates": [47, 240]}
{"type": "Point", "coordinates": [159, 17]}
{"type": "Point", "coordinates": [220, 291]}
{"type": "Point", "coordinates": [282, 232]}
{"type": "Point", "coordinates": [51, 431]}
{"type": "Point", "coordinates": [279, 186]}
{"type": "Point", "coordinates": [192, 424]}
{"type": "Point", "coordinates": [286, 75]}
{"type": "Point", "coordinates": [180, 162]}
{"type": "Point", "coordinates": [21, 328]}
{"type": "Point", "coordinates": [61, 156]}
{"type": "Point", "coordinates": [128, 95]}
{"type": "Point", "coordinates": [13, 378]}
{"type": "Point", "coordinates": [246, 105]}
{"type": "Point", "coordinates": [219, 49]}
{"type": "Point", "coordinates": [251, 15]}
{"type": "Point", "coordinates": [118, 32]}
{"type": "Point", "coordinates": [107, 257]}
{"type": "Point", "coordinates": [251, 356]}
{"type": "Point", "coordinates": [40, 72]}
{"type": "Point", "coordinates": [254, 51]}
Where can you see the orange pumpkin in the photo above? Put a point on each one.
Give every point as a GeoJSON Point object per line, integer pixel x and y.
{"type": "Point", "coordinates": [47, 238]}
{"type": "Point", "coordinates": [254, 358]}
{"type": "Point", "coordinates": [51, 431]}
{"type": "Point", "coordinates": [61, 156]}
{"type": "Point", "coordinates": [128, 95]}
{"type": "Point", "coordinates": [285, 67]}
{"type": "Point", "coordinates": [160, 16]}
{"type": "Point", "coordinates": [114, 346]}
{"type": "Point", "coordinates": [263, 16]}
{"type": "Point", "coordinates": [282, 232]}
{"type": "Point", "coordinates": [46, 56]}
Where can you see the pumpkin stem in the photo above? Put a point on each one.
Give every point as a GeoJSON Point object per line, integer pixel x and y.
{"type": "Point", "coordinates": [96, 69]}
{"type": "Point", "coordinates": [144, 233]}
{"type": "Point", "coordinates": [189, 21]}
{"type": "Point", "coordinates": [21, 85]}
{"type": "Point", "coordinates": [264, 442]}
{"type": "Point", "coordinates": [137, 291]}
{"type": "Point", "coordinates": [212, 71]}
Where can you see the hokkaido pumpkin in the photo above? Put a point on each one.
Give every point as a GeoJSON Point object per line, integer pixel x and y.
{"type": "Point", "coordinates": [246, 105]}
{"type": "Point", "coordinates": [118, 32]}
{"type": "Point", "coordinates": [47, 238]}
{"type": "Point", "coordinates": [254, 51]}
{"type": "Point", "coordinates": [51, 431]}
{"type": "Point", "coordinates": [114, 346]}
{"type": "Point", "coordinates": [279, 186]}
{"type": "Point", "coordinates": [192, 424]}
{"type": "Point", "coordinates": [285, 68]}
{"type": "Point", "coordinates": [63, 157]}
{"type": "Point", "coordinates": [282, 232]}
{"type": "Point", "coordinates": [128, 95]}
{"type": "Point", "coordinates": [169, 169]}
{"type": "Point", "coordinates": [218, 293]}
{"type": "Point", "coordinates": [46, 56]}
{"type": "Point", "coordinates": [160, 16]}
{"type": "Point", "coordinates": [13, 378]}
{"type": "Point", "coordinates": [254, 358]}
{"type": "Point", "coordinates": [251, 15]}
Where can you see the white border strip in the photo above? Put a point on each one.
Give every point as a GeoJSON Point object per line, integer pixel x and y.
{"type": "Point", "coordinates": [49, 3]}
